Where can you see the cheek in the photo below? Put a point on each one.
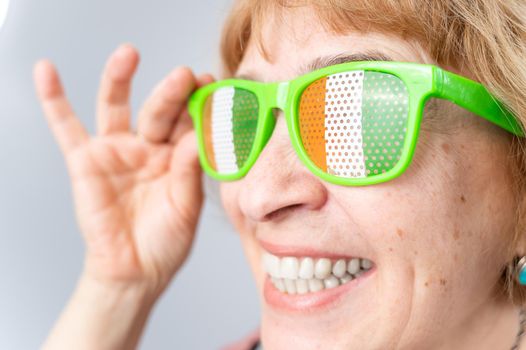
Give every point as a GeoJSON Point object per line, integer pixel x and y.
{"type": "Point", "coordinates": [229, 192]}
{"type": "Point", "coordinates": [433, 227]}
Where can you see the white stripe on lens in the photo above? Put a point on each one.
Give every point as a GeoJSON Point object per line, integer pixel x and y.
{"type": "Point", "coordinates": [222, 134]}
{"type": "Point", "coordinates": [343, 125]}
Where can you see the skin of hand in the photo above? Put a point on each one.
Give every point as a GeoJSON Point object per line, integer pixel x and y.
{"type": "Point", "coordinates": [137, 195]}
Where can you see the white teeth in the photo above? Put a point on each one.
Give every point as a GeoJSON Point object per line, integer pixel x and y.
{"type": "Point", "coordinates": [339, 268]}
{"type": "Point", "coordinates": [353, 266]}
{"type": "Point", "coordinates": [366, 264]}
{"type": "Point", "coordinates": [315, 285]}
{"type": "Point", "coordinates": [302, 286]}
{"type": "Point", "coordinates": [307, 268]}
{"type": "Point", "coordinates": [290, 286]}
{"type": "Point", "coordinates": [331, 282]}
{"type": "Point", "coordinates": [278, 283]}
{"type": "Point", "coordinates": [322, 269]}
{"type": "Point", "coordinates": [289, 267]}
{"type": "Point", "coordinates": [346, 278]}
{"type": "Point", "coordinates": [271, 264]}
{"type": "Point", "coordinates": [294, 275]}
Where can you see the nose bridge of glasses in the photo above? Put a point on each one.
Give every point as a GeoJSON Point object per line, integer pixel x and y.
{"type": "Point", "coordinates": [276, 95]}
{"type": "Point", "coordinates": [274, 99]}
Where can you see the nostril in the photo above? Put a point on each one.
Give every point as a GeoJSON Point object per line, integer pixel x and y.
{"type": "Point", "coordinates": [281, 212]}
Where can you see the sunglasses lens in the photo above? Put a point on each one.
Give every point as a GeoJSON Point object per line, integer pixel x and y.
{"type": "Point", "coordinates": [229, 127]}
{"type": "Point", "coordinates": [353, 124]}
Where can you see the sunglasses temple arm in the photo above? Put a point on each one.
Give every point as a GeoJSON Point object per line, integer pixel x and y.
{"type": "Point", "coordinates": [475, 97]}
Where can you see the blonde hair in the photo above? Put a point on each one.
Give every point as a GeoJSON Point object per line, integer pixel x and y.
{"type": "Point", "coordinates": [484, 37]}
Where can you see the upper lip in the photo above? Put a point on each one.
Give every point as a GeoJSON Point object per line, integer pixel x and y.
{"type": "Point", "coordinates": [301, 251]}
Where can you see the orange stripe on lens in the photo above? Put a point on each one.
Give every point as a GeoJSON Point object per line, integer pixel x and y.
{"type": "Point", "coordinates": [312, 122]}
{"type": "Point", "coordinates": [207, 133]}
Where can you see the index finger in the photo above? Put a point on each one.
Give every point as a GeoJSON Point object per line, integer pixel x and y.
{"type": "Point", "coordinates": [162, 109]}
{"type": "Point", "coordinates": [185, 122]}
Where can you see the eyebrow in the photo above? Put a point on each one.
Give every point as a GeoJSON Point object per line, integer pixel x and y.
{"type": "Point", "coordinates": [326, 61]}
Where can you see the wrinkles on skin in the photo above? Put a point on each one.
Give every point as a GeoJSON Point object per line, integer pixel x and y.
{"type": "Point", "coordinates": [406, 318]}
{"type": "Point", "coordinates": [403, 321]}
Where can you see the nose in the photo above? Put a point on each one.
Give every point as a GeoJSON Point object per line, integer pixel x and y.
{"type": "Point", "coordinates": [278, 184]}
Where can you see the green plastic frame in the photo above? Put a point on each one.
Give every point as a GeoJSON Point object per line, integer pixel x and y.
{"type": "Point", "coordinates": [422, 81]}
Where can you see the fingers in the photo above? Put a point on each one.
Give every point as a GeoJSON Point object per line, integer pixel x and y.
{"type": "Point", "coordinates": [185, 121]}
{"type": "Point", "coordinates": [184, 166]}
{"type": "Point", "coordinates": [162, 108]}
{"type": "Point", "coordinates": [66, 127]}
{"type": "Point", "coordinates": [113, 108]}
{"type": "Point", "coordinates": [204, 79]}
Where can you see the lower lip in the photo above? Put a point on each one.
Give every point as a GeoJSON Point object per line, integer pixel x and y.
{"type": "Point", "coordinates": [311, 301]}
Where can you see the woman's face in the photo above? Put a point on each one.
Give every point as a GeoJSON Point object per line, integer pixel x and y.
{"type": "Point", "coordinates": [436, 236]}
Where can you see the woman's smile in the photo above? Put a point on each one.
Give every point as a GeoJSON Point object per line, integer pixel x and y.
{"type": "Point", "coordinates": [309, 280]}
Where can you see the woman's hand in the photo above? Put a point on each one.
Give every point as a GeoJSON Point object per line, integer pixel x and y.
{"type": "Point", "coordinates": [137, 195]}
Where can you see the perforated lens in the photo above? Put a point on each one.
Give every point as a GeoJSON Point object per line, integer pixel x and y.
{"type": "Point", "coordinates": [353, 124]}
{"type": "Point", "coordinates": [229, 128]}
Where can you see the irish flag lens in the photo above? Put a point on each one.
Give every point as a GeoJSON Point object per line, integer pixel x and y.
{"type": "Point", "coordinates": [353, 124]}
{"type": "Point", "coordinates": [229, 126]}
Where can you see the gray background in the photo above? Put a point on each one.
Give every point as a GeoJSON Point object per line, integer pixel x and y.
{"type": "Point", "coordinates": [209, 303]}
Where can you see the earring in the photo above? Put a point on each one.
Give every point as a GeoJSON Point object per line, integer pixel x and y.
{"type": "Point", "coordinates": [520, 271]}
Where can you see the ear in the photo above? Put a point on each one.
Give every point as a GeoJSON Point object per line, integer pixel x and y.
{"type": "Point", "coordinates": [517, 247]}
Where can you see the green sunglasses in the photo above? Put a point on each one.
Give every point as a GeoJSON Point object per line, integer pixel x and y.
{"type": "Point", "coordinates": [351, 124]}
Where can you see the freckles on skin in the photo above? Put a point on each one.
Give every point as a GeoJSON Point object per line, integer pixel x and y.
{"type": "Point", "coordinates": [442, 281]}
{"type": "Point", "coordinates": [456, 234]}
{"type": "Point", "coordinates": [401, 234]}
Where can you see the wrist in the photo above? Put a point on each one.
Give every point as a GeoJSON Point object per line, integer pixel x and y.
{"type": "Point", "coordinates": [102, 315]}
{"type": "Point", "coordinates": [122, 275]}
{"type": "Point", "coordinates": [115, 296]}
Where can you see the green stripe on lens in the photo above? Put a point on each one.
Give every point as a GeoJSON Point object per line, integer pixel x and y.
{"type": "Point", "coordinates": [385, 103]}
{"type": "Point", "coordinates": [244, 123]}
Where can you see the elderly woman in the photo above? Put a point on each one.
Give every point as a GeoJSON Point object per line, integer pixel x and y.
{"type": "Point", "coordinates": [371, 157]}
